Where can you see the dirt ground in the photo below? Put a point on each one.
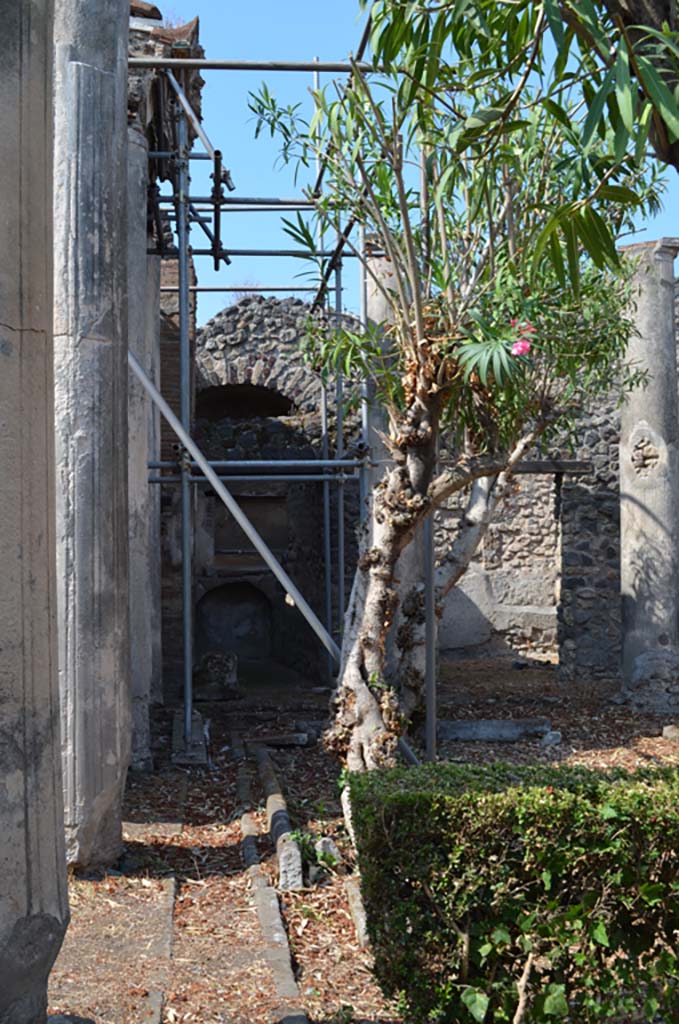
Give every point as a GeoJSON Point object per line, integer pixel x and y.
{"type": "Point", "coordinates": [175, 923]}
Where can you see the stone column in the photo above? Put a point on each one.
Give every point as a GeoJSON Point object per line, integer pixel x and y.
{"type": "Point", "coordinates": [649, 478]}
{"type": "Point", "coordinates": [90, 327]}
{"type": "Point", "coordinates": [33, 894]}
{"type": "Point", "coordinates": [143, 274]}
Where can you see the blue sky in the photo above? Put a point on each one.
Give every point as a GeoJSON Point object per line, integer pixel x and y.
{"type": "Point", "coordinates": [282, 30]}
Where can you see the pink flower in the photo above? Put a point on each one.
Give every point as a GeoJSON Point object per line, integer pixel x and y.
{"type": "Point", "coordinates": [521, 347]}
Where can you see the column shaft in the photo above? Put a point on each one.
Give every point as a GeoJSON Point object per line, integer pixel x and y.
{"type": "Point", "coordinates": [33, 893]}
{"type": "Point", "coordinates": [90, 326]}
{"type": "Point", "coordinates": [649, 466]}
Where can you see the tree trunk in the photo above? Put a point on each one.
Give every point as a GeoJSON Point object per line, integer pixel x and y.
{"type": "Point", "coordinates": [368, 708]}
{"type": "Point", "coordinates": [366, 721]}
{"type": "Point", "coordinates": [375, 698]}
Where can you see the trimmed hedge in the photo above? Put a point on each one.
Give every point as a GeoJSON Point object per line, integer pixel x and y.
{"type": "Point", "coordinates": [493, 886]}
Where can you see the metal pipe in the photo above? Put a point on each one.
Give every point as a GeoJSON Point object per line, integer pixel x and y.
{"type": "Point", "coordinates": [246, 201]}
{"type": "Point", "coordinates": [237, 208]}
{"type": "Point", "coordinates": [335, 256]}
{"type": "Point", "coordinates": [325, 443]}
{"type": "Point", "coordinates": [429, 639]}
{"type": "Point", "coordinates": [244, 289]}
{"type": "Point", "coordinates": [266, 463]}
{"type": "Point", "coordinates": [189, 111]}
{"type": "Point", "coordinates": [183, 229]}
{"type": "Point", "coordinates": [199, 220]}
{"type": "Point", "coordinates": [246, 252]}
{"type": "Point", "coordinates": [267, 201]}
{"type": "Point", "coordinates": [195, 63]}
{"type": "Point", "coordinates": [365, 472]}
{"type": "Point", "coordinates": [258, 478]}
{"type": "Point", "coordinates": [339, 451]}
{"type": "Point", "coordinates": [168, 154]}
{"type": "Point", "coordinates": [321, 165]}
{"type": "Point", "coordinates": [407, 752]}
{"type": "Point", "coordinates": [217, 193]}
{"type": "Point", "coordinates": [236, 511]}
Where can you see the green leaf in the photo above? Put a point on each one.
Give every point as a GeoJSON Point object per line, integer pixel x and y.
{"type": "Point", "coordinates": [652, 893]}
{"type": "Point", "coordinates": [558, 112]}
{"type": "Point", "coordinates": [596, 109]}
{"type": "Point", "coordinates": [608, 812]}
{"type": "Point", "coordinates": [546, 877]}
{"type": "Point", "coordinates": [476, 1002]}
{"type": "Point", "coordinates": [623, 87]}
{"type": "Point", "coordinates": [661, 97]}
{"type": "Point", "coordinates": [572, 255]}
{"type": "Point", "coordinates": [555, 21]}
{"type": "Point", "coordinates": [600, 935]}
{"type": "Point", "coordinates": [556, 1004]}
{"type": "Point", "coordinates": [619, 194]}
{"type": "Point", "coordinates": [482, 118]}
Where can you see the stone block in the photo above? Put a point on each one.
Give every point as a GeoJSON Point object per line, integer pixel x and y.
{"type": "Point", "coordinates": [654, 685]}
{"type": "Point", "coordinates": [493, 730]}
{"type": "Point", "coordinates": [465, 621]}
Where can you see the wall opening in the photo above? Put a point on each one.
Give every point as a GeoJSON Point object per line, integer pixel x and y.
{"type": "Point", "coordinates": [240, 402]}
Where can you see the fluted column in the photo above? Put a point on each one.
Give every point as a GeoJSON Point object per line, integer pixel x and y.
{"type": "Point", "coordinates": [649, 470]}
{"type": "Point", "coordinates": [90, 326]}
{"type": "Point", "coordinates": [33, 895]}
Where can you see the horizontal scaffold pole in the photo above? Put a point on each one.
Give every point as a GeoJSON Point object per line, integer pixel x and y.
{"type": "Point", "coordinates": [195, 63]}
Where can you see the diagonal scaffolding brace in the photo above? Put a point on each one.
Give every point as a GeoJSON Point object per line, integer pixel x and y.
{"type": "Point", "coordinates": [236, 511]}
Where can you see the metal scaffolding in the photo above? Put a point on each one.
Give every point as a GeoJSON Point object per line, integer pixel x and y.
{"type": "Point", "coordinates": [206, 212]}
{"type": "Point", "coordinates": [331, 470]}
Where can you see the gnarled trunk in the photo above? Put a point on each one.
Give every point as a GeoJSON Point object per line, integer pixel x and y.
{"type": "Point", "coordinates": [375, 697]}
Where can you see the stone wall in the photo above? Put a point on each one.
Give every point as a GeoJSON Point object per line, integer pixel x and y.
{"type": "Point", "coordinates": [508, 597]}
{"type": "Point", "coordinates": [589, 611]}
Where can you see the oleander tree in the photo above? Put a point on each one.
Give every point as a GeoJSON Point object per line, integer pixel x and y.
{"type": "Point", "coordinates": [498, 195]}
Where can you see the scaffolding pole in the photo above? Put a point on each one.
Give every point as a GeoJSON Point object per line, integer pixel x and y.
{"type": "Point", "coordinates": [364, 474]}
{"type": "Point", "coordinates": [267, 463]}
{"type": "Point", "coordinates": [198, 64]}
{"type": "Point", "coordinates": [325, 442]}
{"type": "Point", "coordinates": [339, 452]}
{"type": "Point", "coordinates": [183, 228]}
{"type": "Point", "coordinates": [259, 478]}
{"type": "Point", "coordinates": [431, 711]}
{"type": "Point", "coordinates": [235, 288]}
{"type": "Point", "coordinates": [191, 114]}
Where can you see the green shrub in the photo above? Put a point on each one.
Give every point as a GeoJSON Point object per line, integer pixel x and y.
{"type": "Point", "coordinates": [484, 882]}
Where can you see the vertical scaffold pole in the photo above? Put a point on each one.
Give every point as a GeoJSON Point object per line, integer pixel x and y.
{"type": "Point", "coordinates": [429, 637]}
{"type": "Point", "coordinates": [428, 535]}
{"type": "Point", "coordinates": [325, 451]}
{"type": "Point", "coordinates": [183, 229]}
{"type": "Point", "coordinates": [363, 477]}
{"type": "Point", "coordinates": [339, 452]}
